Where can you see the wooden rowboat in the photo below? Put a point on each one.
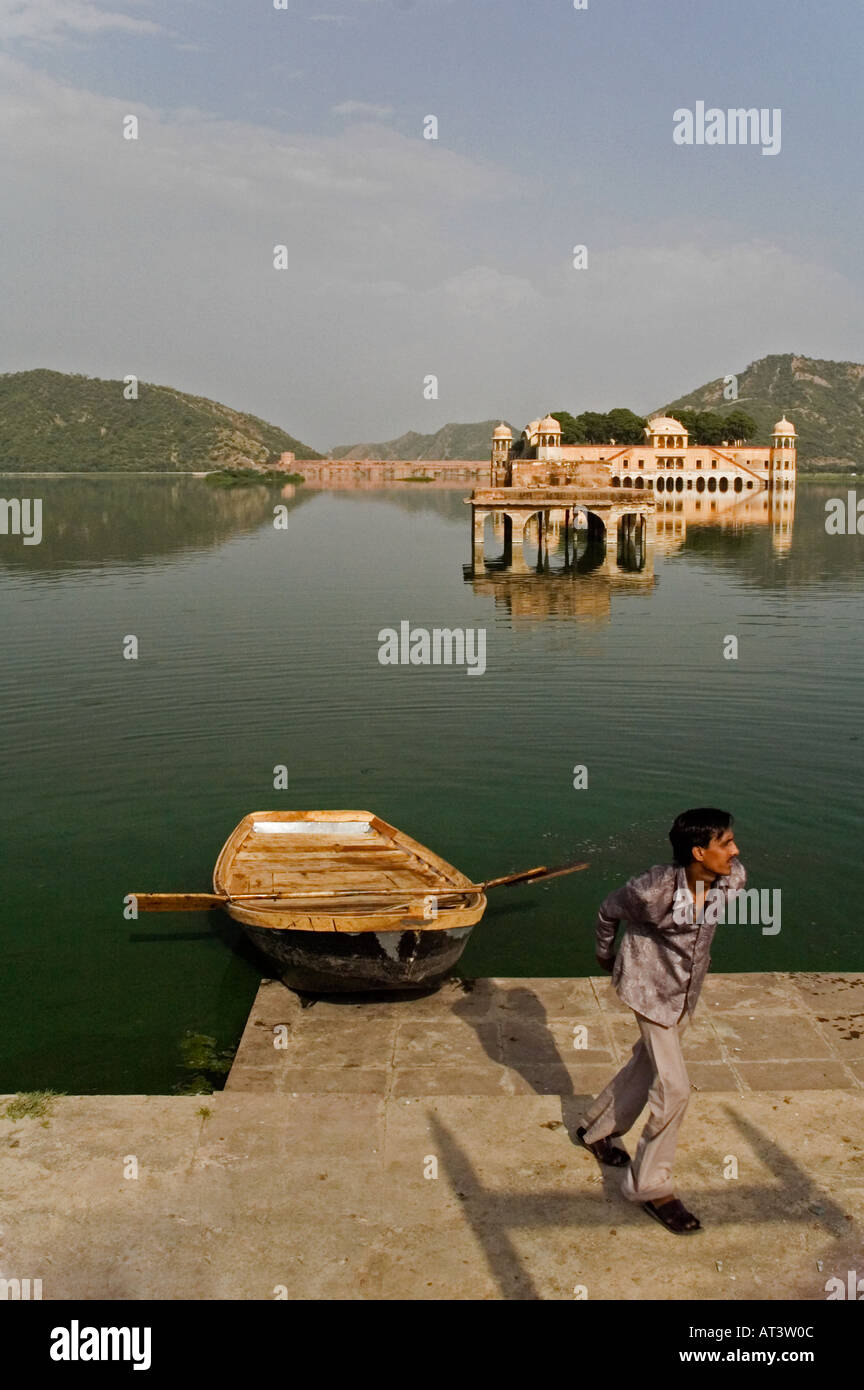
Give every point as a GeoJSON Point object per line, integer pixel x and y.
{"type": "Point", "coordinates": [369, 909]}
{"type": "Point", "coordinates": [341, 901]}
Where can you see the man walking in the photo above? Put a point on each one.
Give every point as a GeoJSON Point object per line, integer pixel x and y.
{"type": "Point", "coordinates": [670, 913]}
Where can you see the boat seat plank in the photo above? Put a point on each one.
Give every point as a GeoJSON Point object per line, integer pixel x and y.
{"type": "Point", "coordinates": [302, 873]}
{"type": "Point", "coordinates": [350, 891]}
{"type": "Point", "coordinates": [332, 872]}
{"type": "Point", "coordinates": [325, 861]}
{"type": "Point", "coordinates": [290, 883]}
{"type": "Point", "coordinates": [337, 868]}
{"type": "Point", "coordinates": [335, 871]}
{"type": "Point", "coordinates": [288, 878]}
{"type": "Point", "coordinates": [295, 846]}
{"type": "Point", "coordinates": [319, 846]}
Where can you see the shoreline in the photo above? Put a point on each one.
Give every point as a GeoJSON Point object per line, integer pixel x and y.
{"type": "Point", "coordinates": [827, 477]}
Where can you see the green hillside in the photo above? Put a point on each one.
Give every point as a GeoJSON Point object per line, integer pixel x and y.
{"type": "Point", "coordinates": [58, 422]}
{"type": "Point", "coordinates": [473, 441]}
{"type": "Point", "coordinates": [824, 401]}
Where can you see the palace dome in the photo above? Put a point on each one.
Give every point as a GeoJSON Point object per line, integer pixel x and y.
{"type": "Point", "coordinates": [784, 426]}
{"type": "Point", "coordinates": [502, 432]}
{"type": "Point", "coordinates": [549, 423]}
{"type": "Point", "coordinates": [665, 424]}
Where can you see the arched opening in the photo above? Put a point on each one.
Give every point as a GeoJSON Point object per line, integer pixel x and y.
{"type": "Point", "coordinates": [739, 484]}
{"type": "Point", "coordinates": [632, 531]}
{"type": "Point", "coordinates": [640, 482]}
{"type": "Point", "coordinates": [555, 540]}
{"type": "Point", "coordinates": [661, 484]}
{"type": "Point", "coordinates": [497, 540]}
{"type": "Point", "coordinates": [532, 535]}
{"type": "Point", "coordinates": [679, 484]}
{"type": "Point", "coordinates": [562, 534]}
{"type": "Point", "coordinates": [628, 482]}
{"type": "Point", "coordinates": [724, 484]}
{"type": "Point", "coordinates": [700, 484]}
{"type": "Point", "coordinates": [712, 484]}
{"type": "Point", "coordinates": [616, 482]}
{"type": "Point", "coordinates": [589, 544]}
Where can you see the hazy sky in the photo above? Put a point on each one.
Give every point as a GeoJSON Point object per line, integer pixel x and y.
{"type": "Point", "coordinates": [407, 257]}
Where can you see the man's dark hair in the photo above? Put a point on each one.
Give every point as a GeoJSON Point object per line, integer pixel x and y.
{"type": "Point", "coordinates": [697, 827]}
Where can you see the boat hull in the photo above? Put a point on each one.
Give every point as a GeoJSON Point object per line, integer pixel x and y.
{"type": "Point", "coordinates": [359, 962]}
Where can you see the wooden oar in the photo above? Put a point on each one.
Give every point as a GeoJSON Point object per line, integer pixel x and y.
{"type": "Point", "coordinates": [202, 902]}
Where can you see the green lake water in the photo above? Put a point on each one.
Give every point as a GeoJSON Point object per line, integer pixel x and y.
{"type": "Point", "coordinates": [259, 647]}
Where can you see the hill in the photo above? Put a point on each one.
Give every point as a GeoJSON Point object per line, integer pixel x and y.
{"type": "Point", "coordinates": [471, 441]}
{"type": "Point", "coordinates": [824, 401]}
{"type": "Point", "coordinates": [59, 422]}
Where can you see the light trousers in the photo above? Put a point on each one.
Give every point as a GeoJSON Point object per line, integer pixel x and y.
{"type": "Point", "coordinates": [656, 1075]}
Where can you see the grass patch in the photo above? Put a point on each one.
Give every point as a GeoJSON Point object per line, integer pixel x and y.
{"type": "Point", "coordinates": [30, 1105]}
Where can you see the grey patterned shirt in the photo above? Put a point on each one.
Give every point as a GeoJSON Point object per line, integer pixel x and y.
{"type": "Point", "coordinates": [661, 964]}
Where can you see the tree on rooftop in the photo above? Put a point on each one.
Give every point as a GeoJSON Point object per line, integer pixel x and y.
{"type": "Point", "coordinates": [595, 426]}
{"type": "Point", "coordinates": [689, 419]}
{"type": "Point", "coordinates": [739, 425]}
{"type": "Point", "coordinates": [624, 427]}
{"type": "Point", "coordinates": [571, 430]}
{"type": "Point", "coordinates": [703, 426]}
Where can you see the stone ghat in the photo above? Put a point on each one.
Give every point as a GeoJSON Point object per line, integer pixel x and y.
{"type": "Point", "coordinates": [487, 1037]}
{"type": "Point", "coordinates": [424, 1148]}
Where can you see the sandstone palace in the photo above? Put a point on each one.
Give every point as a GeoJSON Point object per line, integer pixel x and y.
{"type": "Point", "coordinates": [665, 462]}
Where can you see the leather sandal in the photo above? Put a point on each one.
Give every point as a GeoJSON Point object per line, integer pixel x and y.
{"type": "Point", "coordinates": [604, 1150]}
{"type": "Point", "coordinates": [674, 1216]}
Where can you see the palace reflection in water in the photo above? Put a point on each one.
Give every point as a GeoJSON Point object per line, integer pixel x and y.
{"type": "Point", "coordinates": [570, 561]}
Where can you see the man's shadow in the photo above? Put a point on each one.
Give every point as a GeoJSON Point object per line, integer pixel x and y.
{"type": "Point", "coordinates": [529, 1048]}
